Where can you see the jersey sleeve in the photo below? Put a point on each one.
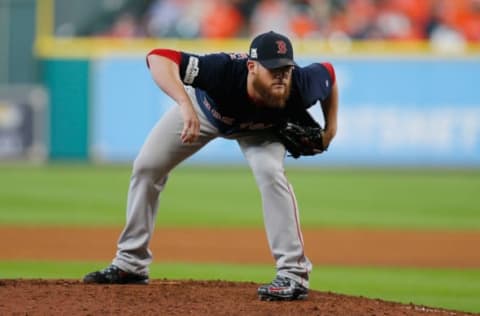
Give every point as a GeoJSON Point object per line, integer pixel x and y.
{"type": "Point", "coordinates": [331, 71]}
{"type": "Point", "coordinates": [206, 72]}
{"type": "Point", "coordinates": [315, 82]}
{"type": "Point", "coordinates": [201, 71]}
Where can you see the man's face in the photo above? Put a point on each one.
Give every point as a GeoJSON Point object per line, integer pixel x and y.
{"type": "Point", "coordinates": [272, 85]}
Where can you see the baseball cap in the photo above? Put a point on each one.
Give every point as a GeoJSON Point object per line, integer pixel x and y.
{"type": "Point", "coordinates": [272, 50]}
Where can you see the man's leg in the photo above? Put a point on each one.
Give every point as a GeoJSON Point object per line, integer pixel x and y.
{"type": "Point", "coordinates": [265, 156]}
{"type": "Point", "coordinates": [161, 152]}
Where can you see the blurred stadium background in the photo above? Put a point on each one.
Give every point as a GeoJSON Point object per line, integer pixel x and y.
{"type": "Point", "coordinates": [74, 87]}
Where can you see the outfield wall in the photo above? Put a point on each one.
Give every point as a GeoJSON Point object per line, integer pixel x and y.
{"type": "Point", "coordinates": [393, 111]}
{"type": "Point", "coordinates": [400, 105]}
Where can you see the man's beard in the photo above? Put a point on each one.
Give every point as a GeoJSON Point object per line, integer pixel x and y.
{"type": "Point", "coordinates": [269, 98]}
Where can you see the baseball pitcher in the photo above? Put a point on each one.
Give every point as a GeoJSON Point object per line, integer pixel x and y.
{"type": "Point", "coordinates": [258, 99]}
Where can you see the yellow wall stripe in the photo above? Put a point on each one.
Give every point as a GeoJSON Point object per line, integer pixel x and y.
{"type": "Point", "coordinates": [78, 47]}
{"type": "Point", "coordinates": [49, 46]}
{"type": "Point", "coordinates": [45, 18]}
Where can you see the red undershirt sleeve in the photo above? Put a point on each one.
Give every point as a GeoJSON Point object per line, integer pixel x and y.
{"type": "Point", "coordinates": [331, 71]}
{"type": "Point", "coordinates": [173, 55]}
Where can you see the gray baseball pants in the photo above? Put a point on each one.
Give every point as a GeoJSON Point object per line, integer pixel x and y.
{"type": "Point", "coordinates": [163, 150]}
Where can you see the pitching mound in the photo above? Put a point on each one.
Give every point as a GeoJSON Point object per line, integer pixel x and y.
{"type": "Point", "coordinates": [165, 297]}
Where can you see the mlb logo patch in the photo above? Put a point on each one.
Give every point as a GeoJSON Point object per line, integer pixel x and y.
{"type": "Point", "coordinates": [253, 53]}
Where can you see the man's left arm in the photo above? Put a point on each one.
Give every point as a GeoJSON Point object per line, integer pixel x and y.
{"type": "Point", "coordinates": [330, 113]}
{"type": "Point", "coordinates": [301, 134]}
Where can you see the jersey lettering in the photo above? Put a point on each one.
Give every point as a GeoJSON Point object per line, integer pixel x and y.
{"type": "Point", "coordinates": [254, 126]}
{"type": "Point", "coordinates": [225, 119]}
{"type": "Point", "coordinates": [192, 70]}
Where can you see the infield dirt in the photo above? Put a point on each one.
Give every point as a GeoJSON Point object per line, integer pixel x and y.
{"type": "Point", "coordinates": [171, 297]}
{"type": "Point", "coordinates": [235, 245]}
{"type": "Point", "coordinates": [66, 297]}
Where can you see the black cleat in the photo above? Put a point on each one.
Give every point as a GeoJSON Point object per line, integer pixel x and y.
{"type": "Point", "coordinates": [114, 275]}
{"type": "Point", "coordinates": [282, 289]}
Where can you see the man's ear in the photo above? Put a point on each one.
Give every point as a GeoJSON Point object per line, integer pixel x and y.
{"type": "Point", "coordinates": [252, 66]}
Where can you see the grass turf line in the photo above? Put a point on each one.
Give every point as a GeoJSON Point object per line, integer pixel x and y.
{"type": "Point", "coordinates": [441, 288]}
{"type": "Point", "coordinates": [227, 197]}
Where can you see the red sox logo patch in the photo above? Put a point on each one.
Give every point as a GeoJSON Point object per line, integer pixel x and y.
{"type": "Point", "coordinates": [282, 47]}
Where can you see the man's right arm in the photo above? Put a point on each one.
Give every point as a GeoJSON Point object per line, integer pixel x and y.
{"type": "Point", "coordinates": [165, 72]}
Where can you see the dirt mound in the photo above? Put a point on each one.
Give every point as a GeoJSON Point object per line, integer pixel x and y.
{"type": "Point", "coordinates": [167, 297]}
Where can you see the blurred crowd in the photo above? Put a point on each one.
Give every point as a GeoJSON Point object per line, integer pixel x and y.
{"type": "Point", "coordinates": [457, 20]}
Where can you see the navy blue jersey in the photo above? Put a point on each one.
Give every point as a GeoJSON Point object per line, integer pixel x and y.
{"type": "Point", "coordinates": [221, 88]}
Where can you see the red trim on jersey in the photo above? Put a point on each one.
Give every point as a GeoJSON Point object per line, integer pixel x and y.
{"type": "Point", "coordinates": [301, 260]}
{"type": "Point", "coordinates": [331, 71]}
{"type": "Point", "coordinates": [295, 213]}
{"type": "Point", "coordinates": [173, 55]}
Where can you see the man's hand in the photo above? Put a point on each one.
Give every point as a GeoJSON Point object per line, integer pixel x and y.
{"type": "Point", "coordinates": [191, 124]}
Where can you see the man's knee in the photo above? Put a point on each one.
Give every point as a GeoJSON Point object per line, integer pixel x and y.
{"type": "Point", "coordinates": [149, 174]}
{"type": "Point", "coordinates": [267, 171]}
{"type": "Point", "coordinates": [141, 166]}
{"type": "Point", "coordinates": [147, 168]}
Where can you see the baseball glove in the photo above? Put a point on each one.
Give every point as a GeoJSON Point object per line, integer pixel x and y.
{"type": "Point", "coordinates": [301, 140]}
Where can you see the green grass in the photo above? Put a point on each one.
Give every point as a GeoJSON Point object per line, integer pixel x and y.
{"type": "Point", "coordinates": [451, 289]}
{"type": "Point", "coordinates": [227, 197]}
{"type": "Point", "coordinates": [378, 198]}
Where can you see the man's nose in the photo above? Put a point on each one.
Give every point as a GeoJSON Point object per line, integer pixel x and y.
{"type": "Point", "coordinates": [280, 74]}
